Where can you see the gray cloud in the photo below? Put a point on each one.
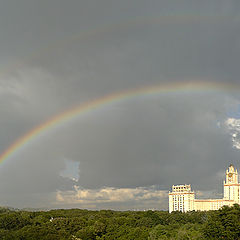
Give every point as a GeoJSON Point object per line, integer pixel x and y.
{"type": "Point", "coordinates": [58, 54]}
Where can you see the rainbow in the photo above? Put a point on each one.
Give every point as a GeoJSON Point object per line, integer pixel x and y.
{"type": "Point", "coordinates": [107, 99]}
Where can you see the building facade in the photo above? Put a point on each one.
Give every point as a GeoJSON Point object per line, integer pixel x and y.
{"type": "Point", "coordinates": [182, 198]}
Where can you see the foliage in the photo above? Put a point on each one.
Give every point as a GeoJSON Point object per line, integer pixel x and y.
{"type": "Point", "coordinates": [76, 224]}
{"type": "Point", "coordinates": [223, 224]}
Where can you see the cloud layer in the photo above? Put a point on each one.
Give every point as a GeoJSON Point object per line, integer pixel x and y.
{"type": "Point", "coordinates": [57, 55]}
{"type": "Point", "coordinates": [132, 198]}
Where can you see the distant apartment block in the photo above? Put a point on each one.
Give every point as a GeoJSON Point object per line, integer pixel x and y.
{"type": "Point", "coordinates": [182, 198]}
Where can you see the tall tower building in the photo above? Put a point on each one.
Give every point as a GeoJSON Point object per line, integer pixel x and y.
{"type": "Point", "coordinates": [182, 198]}
{"type": "Point", "coordinates": [231, 185]}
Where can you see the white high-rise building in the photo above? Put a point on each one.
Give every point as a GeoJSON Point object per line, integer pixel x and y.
{"type": "Point", "coordinates": [182, 198]}
{"type": "Point", "coordinates": [231, 185]}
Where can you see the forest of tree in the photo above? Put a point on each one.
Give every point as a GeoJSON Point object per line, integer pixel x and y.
{"type": "Point", "coordinates": [78, 224]}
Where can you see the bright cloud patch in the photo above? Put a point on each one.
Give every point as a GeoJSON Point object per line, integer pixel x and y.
{"type": "Point", "coordinates": [233, 125]}
{"type": "Point", "coordinates": [112, 195]}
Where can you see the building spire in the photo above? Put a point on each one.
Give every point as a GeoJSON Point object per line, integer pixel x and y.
{"type": "Point", "coordinates": [182, 198]}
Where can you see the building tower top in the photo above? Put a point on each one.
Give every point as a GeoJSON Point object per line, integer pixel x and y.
{"type": "Point", "coordinates": [231, 175]}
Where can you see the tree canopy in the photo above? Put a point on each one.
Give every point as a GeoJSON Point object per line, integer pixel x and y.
{"type": "Point", "coordinates": [76, 224]}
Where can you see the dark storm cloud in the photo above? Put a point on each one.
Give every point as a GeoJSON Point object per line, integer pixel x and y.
{"type": "Point", "coordinates": [57, 54]}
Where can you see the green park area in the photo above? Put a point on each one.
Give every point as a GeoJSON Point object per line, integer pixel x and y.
{"type": "Point", "coordinates": [78, 224]}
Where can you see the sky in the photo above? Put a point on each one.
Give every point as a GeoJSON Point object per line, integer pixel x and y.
{"type": "Point", "coordinates": [57, 54]}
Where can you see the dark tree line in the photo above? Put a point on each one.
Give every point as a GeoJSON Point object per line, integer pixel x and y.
{"type": "Point", "coordinates": [76, 224]}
